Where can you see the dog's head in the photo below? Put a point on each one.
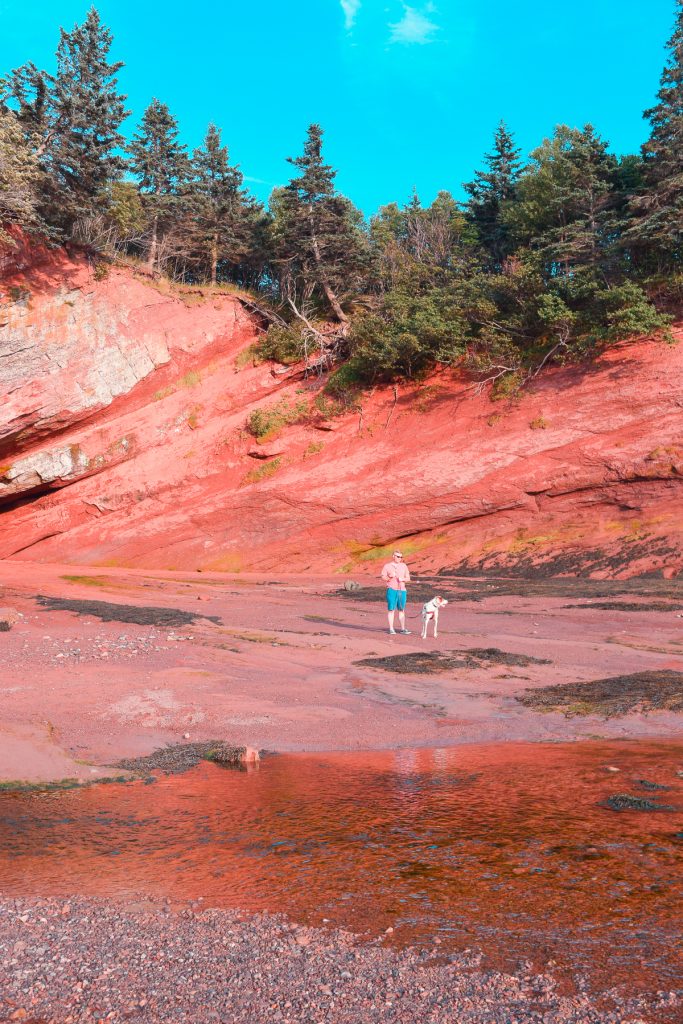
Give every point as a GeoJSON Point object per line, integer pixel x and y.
{"type": "Point", "coordinates": [440, 602]}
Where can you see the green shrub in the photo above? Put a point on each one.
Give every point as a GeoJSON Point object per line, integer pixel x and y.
{"type": "Point", "coordinates": [262, 472]}
{"type": "Point", "coordinates": [282, 345]}
{"type": "Point", "coordinates": [267, 422]}
{"type": "Point", "coordinates": [345, 384]}
{"type": "Point", "coordinates": [411, 332]}
{"type": "Point", "coordinates": [508, 387]}
{"type": "Point", "coordinates": [250, 356]}
{"type": "Point", "coordinates": [101, 271]}
{"type": "Point", "coordinates": [314, 448]}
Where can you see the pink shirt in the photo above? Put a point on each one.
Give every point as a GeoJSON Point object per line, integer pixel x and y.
{"type": "Point", "coordinates": [396, 575]}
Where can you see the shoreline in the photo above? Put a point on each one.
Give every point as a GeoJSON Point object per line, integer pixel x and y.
{"type": "Point", "coordinates": [160, 762]}
{"type": "Point", "coordinates": [80, 960]}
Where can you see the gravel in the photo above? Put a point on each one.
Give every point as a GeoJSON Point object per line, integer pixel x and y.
{"type": "Point", "coordinates": [78, 960]}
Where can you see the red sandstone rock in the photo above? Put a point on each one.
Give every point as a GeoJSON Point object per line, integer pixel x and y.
{"type": "Point", "coordinates": [123, 420]}
{"type": "Point", "coordinates": [9, 616]}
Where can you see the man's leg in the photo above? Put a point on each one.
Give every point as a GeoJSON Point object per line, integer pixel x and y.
{"type": "Point", "coordinates": [402, 612]}
{"type": "Point", "coordinates": [391, 605]}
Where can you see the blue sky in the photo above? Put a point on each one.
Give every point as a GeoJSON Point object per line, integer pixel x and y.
{"type": "Point", "coordinates": [408, 94]}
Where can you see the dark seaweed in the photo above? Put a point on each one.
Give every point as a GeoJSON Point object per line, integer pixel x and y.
{"type": "Point", "coordinates": [617, 695]}
{"type": "Point", "coordinates": [109, 612]}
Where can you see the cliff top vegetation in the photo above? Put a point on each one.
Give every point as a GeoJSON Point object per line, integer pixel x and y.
{"type": "Point", "coordinates": [550, 257]}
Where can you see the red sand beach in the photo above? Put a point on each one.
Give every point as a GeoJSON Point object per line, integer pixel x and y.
{"type": "Point", "coordinates": [279, 668]}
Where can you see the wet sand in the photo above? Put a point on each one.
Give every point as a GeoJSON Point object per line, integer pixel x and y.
{"type": "Point", "coordinates": [280, 668]}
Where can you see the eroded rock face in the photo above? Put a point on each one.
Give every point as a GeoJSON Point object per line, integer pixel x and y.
{"type": "Point", "coordinates": [124, 416]}
{"type": "Point", "coordinates": [67, 353]}
{"type": "Point", "coordinates": [72, 347]}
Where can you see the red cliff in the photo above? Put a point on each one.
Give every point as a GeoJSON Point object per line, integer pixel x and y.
{"type": "Point", "coordinates": [123, 442]}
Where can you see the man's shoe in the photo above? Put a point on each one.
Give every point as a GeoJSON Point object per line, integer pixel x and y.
{"type": "Point", "coordinates": [392, 632]}
{"type": "Point", "coordinates": [406, 632]}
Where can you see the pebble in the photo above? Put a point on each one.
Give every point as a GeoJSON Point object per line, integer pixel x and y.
{"type": "Point", "coordinates": [92, 647]}
{"type": "Point", "coordinates": [144, 966]}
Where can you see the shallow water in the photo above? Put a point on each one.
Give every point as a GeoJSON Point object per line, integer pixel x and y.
{"type": "Point", "coordinates": [504, 848]}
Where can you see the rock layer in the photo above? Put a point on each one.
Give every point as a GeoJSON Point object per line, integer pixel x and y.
{"type": "Point", "coordinates": [123, 442]}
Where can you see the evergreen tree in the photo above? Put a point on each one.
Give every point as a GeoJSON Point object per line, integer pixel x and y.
{"type": "Point", "coordinates": [20, 179]}
{"type": "Point", "coordinates": [490, 191]}
{"type": "Point", "coordinates": [562, 207]}
{"type": "Point", "coordinates": [86, 103]}
{"type": "Point", "coordinates": [27, 90]}
{"type": "Point", "coordinates": [125, 211]}
{"type": "Point", "coordinates": [160, 162]}
{"type": "Point", "coordinates": [73, 118]}
{"type": "Point", "coordinates": [223, 213]}
{"type": "Point", "coordinates": [656, 234]}
{"type": "Point", "coordinates": [320, 240]}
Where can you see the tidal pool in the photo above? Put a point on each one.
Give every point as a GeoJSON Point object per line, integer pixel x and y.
{"type": "Point", "coordinates": [511, 849]}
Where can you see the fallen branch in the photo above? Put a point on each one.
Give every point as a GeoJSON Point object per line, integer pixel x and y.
{"type": "Point", "coordinates": [391, 411]}
{"type": "Point", "coordinates": [479, 385]}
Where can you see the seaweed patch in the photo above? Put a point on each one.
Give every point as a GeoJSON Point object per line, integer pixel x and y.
{"type": "Point", "coordinates": [618, 695]}
{"type": "Point", "coordinates": [109, 612]}
{"type": "Point", "coordinates": [433, 662]}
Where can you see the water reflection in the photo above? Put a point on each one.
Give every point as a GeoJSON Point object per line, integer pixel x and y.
{"type": "Point", "coordinates": [506, 847]}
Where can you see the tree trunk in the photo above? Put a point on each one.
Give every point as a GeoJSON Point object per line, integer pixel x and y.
{"type": "Point", "coordinates": [327, 288]}
{"type": "Point", "coordinates": [153, 244]}
{"type": "Point", "coordinates": [214, 258]}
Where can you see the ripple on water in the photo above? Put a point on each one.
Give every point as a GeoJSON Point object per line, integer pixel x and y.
{"type": "Point", "coordinates": [513, 848]}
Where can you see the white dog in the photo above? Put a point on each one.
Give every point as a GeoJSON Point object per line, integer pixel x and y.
{"type": "Point", "coordinates": [430, 612]}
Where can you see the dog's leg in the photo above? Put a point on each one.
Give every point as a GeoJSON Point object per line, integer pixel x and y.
{"type": "Point", "coordinates": [436, 623]}
{"type": "Point", "coordinates": [425, 620]}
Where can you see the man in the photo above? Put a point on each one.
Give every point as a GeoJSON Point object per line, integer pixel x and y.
{"type": "Point", "coordinates": [395, 574]}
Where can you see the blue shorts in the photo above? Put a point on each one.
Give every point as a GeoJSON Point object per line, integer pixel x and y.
{"type": "Point", "coordinates": [396, 599]}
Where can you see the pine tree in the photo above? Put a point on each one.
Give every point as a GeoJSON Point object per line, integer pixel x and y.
{"type": "Point", "coordinates": [490, 191]}
{"type": "Point", "coordinates": [222, 210]}
{"type": "Point", "coordinates": [656, 233]}
{"type": "Point", "coordinates": [562, 205]}
{"type": "Point", "coordinates": [27, 90]}
{"type": "Point", "coordinates": [73, 118]}
{"type": "Point", "coordinates": [86, 102]}
{"type": "Point", "coordinates": [20, 179]}
{"type": "Point", "coordinates": [319, 232]}
{"type": "Point", "coordinates": [162, 167]}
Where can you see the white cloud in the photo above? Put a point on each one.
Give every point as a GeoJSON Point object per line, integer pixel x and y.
{"type": "Point", "coordinates": [350, 9]}
{"type": "Point", "coordinates": [414, 27]}
{"type": "Point", "coordinates": [260, 181]}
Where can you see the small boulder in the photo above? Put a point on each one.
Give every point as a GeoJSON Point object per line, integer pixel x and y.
{"type": "Point", "coordinates": [351, 585]}
{"type": "Point", "coordinates": [225, 753]}
{"type": "Point", "coordinates": [8, 618]}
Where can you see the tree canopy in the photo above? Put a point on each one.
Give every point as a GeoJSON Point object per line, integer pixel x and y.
{"type": "Point", "coordinates": [546, 259]}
